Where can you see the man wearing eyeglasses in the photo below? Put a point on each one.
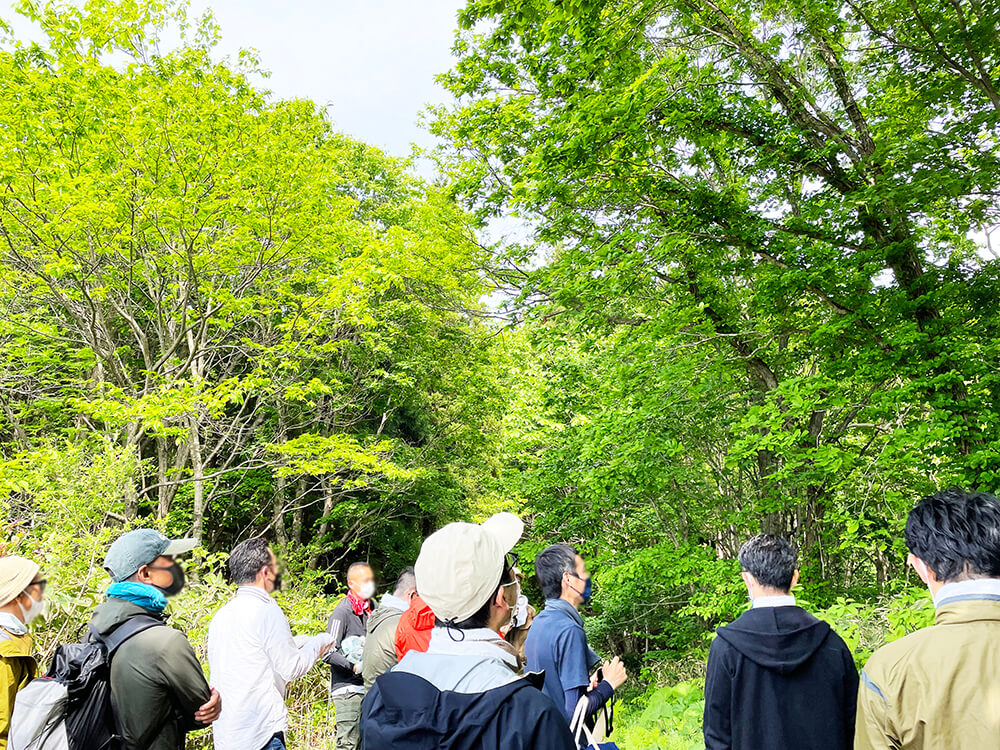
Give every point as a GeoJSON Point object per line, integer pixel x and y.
{"type": "Point", "coordinates": [557, 643]}
{"type": "Point", "coordinates": [22, 599]}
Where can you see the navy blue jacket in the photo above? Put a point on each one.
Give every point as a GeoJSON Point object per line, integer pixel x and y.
{"type": "Point", "coordinates": [779, 678]}
{"type": "Point", "coordinates": [405, 712]}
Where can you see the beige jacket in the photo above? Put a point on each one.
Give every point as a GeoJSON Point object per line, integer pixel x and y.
{"type": "Point", "coordinates": [937, 688]}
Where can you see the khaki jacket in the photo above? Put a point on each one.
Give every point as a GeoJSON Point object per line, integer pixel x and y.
{"type": "Point", "coordinates": [380, 643]}
{"type": "Point", "coordinates": [937, 688]}
{"type": "Point", "coordinates": [17, 667]}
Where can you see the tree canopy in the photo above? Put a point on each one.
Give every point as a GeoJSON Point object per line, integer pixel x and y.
{"type": "Point", "coordinates": [759, 293]}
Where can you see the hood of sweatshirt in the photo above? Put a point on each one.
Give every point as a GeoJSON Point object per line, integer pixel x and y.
{"type": "Point", "coordinates": [781, 639]}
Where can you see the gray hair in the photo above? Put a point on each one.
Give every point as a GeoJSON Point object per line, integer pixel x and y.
{"type": "Point", "coordinates": [407, 581]}
{"type": "Point", "coordinates": [247, 558]}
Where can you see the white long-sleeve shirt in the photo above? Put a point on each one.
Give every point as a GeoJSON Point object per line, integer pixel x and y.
{"type": "Point", "coordinates": [252, 657]}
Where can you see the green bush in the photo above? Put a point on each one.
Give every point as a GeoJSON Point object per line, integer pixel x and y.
{"type": "Point", "coordinates": [666, 718]}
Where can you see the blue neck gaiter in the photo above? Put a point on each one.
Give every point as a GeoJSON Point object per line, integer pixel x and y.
{"type": "Point", "coordinates": [140, 594]}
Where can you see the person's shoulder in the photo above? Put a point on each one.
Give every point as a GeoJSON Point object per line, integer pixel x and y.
{"type": "Point", "coordinates": [898, 655]}
{"type": "Point", "coordinates": [162, 640]}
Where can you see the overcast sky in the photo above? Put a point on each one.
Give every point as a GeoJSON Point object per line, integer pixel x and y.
{"type": "Point", "coordinates": [372, 62]}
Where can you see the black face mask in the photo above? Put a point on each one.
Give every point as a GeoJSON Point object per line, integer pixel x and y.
{"type": "Point", "coordinates": [277, 582]}
{"type": "Point", "coordinates": [177, 573]}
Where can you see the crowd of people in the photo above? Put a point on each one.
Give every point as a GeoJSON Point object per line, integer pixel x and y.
{"type": "Point", "coordinates": [455, 657]}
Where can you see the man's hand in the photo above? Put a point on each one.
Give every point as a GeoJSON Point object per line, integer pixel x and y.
{"type": "Point", "coordinates": [323, 651]}
{"type": "Point", "coordinates": [211, 710]}
{"type": "Point", "coordinates": [614, 673]}
{"type": "Point", "coordinates": [357, 668]}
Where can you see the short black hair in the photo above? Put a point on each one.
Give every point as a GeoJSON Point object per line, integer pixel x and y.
{"type": "Point", "coordinates": [957, 533]}
{"type": "Point", "coordinates": [550, 565]}
{"type": "Point", "coordinates": [770, 559]}
{"type": "Point", "coordinates": [407, 581]}
{"type": "Point", "coordinates": [247, 558]}
{"type": "Point", "coordinates": [481, 618]}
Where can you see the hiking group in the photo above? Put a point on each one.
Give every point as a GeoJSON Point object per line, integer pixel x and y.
{"type": "Point", "coordinates": [454, 656]}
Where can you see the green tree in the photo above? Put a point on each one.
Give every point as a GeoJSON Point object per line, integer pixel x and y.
{"type": "Point", "coordinates": [754, 224]}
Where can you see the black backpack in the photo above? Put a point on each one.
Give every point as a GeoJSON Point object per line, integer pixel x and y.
{"type": "Point", "coordinates": [71, 707]}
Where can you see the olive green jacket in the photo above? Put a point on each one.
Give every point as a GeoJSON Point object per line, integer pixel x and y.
{"type": "Point", "coordinates": [937, 688]}
{"type": "Point", "coordinates": [380, 642]}
{"type": "Point", "coordinates": [156, 680]}
{"type": "Point", "coordinates": [17, 667]}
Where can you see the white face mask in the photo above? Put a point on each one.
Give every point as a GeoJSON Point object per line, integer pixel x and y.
{"type": "Point", "coordinates": [36, 609]}
{"type": "Point", "coordinates": [367, 590]}
{"type": "Point", "coordinates": [521, 611]}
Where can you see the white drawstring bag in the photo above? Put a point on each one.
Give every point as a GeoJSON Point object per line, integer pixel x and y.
{"type": "Point", "coordinates": [578, 727]}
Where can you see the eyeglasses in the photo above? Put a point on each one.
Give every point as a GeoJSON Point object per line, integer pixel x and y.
{"type": "Point", "coordinates": [41, 584]}
{"type": "Point", "coordinates": [512, 558]}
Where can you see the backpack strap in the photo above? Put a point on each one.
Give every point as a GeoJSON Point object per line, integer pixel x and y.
{"type": "Point", "coordinates": [131, 627]}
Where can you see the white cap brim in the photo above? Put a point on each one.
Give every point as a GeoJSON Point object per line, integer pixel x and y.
{"type": "Point", "coordinates": [507, 528]}
{"type": "Point", "coordinates": [180, 546]}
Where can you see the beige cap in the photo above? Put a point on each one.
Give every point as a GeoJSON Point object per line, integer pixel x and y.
{"type": "Point", "coordinates": [460, 565]}
{"type": "Point", "coordinates": [15, 575]}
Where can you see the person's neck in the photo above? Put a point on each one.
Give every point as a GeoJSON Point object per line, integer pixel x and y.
{"type": "Point", "coordinates": [571, 599]}
{"type": "Point", "coordinates": [11, 608]}
{"type": "Point", "coordinates": [767, 592]}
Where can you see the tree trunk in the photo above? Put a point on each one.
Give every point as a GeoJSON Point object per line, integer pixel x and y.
{"type": "Point", "coordinates": [132, 497]}
{"type": "Point", "coordinates": [324, 525]}
{"type": "Point", "coordinates": [298, 514]}
{"type": "Point", "coordinates": [280, 493]}
{"type": "Point", "coordinates": [198, 477]}
{"type": "Point", "coordinates": [278, 512]}
{"type": "Point", "coordinates": [163, 494]}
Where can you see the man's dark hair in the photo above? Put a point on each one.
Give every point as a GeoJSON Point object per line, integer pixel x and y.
{"type": "Point", "coordinates": [407, 581]}
{"type": "Point", "coordinates": [957, 533]}
{"type": "Point", "coordinates": [481, 618]}
{"type": "Point", "coordinates": [247, 558]}
{"type": "Point", "coordinates": [550, 565]}
{"type": "Point", "coordinates": [770, 559]}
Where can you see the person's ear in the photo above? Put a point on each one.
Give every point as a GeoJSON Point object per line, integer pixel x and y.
{"type": "Point", "coordinates": [748, 580]}
{"type": "Point", "coordinates": [922, 569]}
{"type": "Point", "coordinates": [795, 580]}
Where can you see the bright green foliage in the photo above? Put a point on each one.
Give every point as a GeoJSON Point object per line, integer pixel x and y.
{"type": "Point", "coordinates": [265, 322]}
{"type": "Point", "coordinates": [667, 718]}
{"type": "Point", "coordinates": [757, 297]}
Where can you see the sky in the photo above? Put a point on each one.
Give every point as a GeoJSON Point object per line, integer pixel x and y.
{"type": "Point", "coordinates": [372, 62]}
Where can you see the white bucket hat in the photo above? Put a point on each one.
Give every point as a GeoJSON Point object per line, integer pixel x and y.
{"type": "Point", "coordinates": [16, 574]}
{"type": "Point", "coordinates": [460, 565]}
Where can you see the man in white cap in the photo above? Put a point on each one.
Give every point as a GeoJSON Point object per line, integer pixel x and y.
{"type": "Point", "coordinates": [157, 682]}
{"type": "Point", "coordinates": [464, 692]}
{"type": "Point", "coordinates": [22, 592]}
